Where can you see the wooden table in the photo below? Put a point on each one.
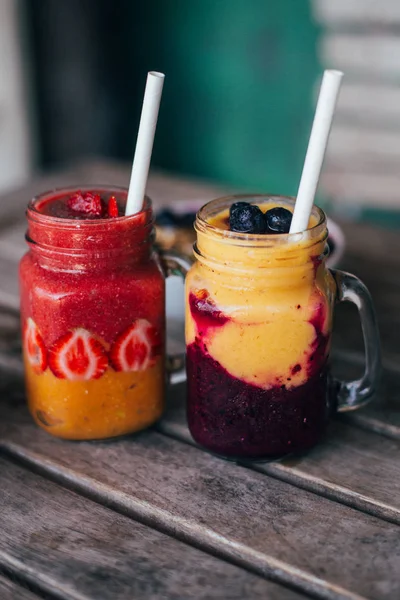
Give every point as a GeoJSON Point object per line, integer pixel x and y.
{"type": "Point", "coordinates": [156, 517]}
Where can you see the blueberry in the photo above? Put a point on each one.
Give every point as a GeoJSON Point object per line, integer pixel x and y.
{"type": "Point", "coordinates": [237, 206]}
{"type": "Point", "coordinates": [246, 218]}
{"type": "Point", "coordinates": [278, 220]}
{"type": "Point", "coordinates": [187, 219]}
{"type": "Point", "coordinates": [166, 218]}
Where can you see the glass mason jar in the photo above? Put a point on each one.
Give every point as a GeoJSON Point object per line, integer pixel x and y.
{"type": "Point", "coordinates": [258, 334]}
{"type": "Point", "coordinates": [93, 320]}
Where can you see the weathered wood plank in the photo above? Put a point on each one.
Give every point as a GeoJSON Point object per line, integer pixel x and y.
{"type": "Point", "coordinates": [276, 529]}
{"type": "Point", "coordinates": [9, 292]}
{"type": "Point", "coordinates": [10, 344]}
{"type": "Point", "coordinates": [74, 548]}
{"type": "Point", "coordinates": [383, 414]}
{"type": "Point", "coordinates": [373, 255]}
{"type": "Point", "coordinates": [12, 241]}
{"type": "Point", "coordinates": [359, 468]}
{"type": "Point", "coordinates": [10, 590]}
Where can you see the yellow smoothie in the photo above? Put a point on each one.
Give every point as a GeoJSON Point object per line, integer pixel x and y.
{"type": "Point", "coordinates": [259, 318]}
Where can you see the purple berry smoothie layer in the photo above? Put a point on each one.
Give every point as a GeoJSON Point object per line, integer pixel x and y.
{"type": "Point", "coordinates": [234, 418]}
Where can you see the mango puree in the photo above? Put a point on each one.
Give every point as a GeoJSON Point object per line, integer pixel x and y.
{"type": "Point", "coordinates": [116, 404]}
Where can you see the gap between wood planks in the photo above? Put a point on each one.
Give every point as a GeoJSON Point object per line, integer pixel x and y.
{"type": "Point", "coordinates": [288, 471]}
{"type": "Point", "coordinates": [15, 586]}
{"type": "Point", "coordinates": [77, 549]}
{"type": "Point", "coordinates": [235, 553]}
{"type": "Point", "coordinates": [177, 525]}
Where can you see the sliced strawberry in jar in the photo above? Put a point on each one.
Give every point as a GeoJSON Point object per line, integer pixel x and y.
{"type": "Point", "coordinates": [35, 349]}
{"type": "Point", "coordinates": [77, 355]}
{"type": "Point", "coordinates": [136, 348]}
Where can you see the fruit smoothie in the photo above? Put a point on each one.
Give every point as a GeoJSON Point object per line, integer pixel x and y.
{"type": "Point", "coordinates": [93, 316]}
{"type": "Point", "coordinates": [258, 323]}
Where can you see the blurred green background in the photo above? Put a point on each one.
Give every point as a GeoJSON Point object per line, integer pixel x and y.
{"type": "Point", "coordinates": [239, 96]}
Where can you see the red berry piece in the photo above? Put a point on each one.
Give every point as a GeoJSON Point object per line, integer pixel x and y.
{"type": "Point", "coordinates": [35, 349]}
{"type": "Point", "coordinates": [86, 203]}
{"type": "Point", "coordinates": [112, 207]}
{"type": "Point", "coordinates": [136, 348]}
{"type": "Point", "coordinates": [77, 355]}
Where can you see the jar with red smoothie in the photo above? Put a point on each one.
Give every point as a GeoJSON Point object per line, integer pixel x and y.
{"type": "Point", "coordinates": [93, 315]}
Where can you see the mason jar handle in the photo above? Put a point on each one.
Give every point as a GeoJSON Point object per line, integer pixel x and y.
{"type": "Point", "coordinates": [354, 394]}
{"type": "Point", "coordinates": [175, 264]}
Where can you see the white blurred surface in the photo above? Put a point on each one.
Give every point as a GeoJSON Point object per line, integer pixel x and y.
{"type": "Point", "coordinates": [15, 134]}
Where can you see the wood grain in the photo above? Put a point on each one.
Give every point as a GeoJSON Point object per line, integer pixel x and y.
{"type": "Point", "coordinates": [286, 506]}
{"type": "Point", "coordinates": [382, 415]}
{"type": "Point", "coordinates": [10, 590]}
{"type": "Point", "coordinates": [273, 528]}
{"type": "Point", "coordinates": [75, 549]}
{"type": "Point", "coordinates": [356, 467]}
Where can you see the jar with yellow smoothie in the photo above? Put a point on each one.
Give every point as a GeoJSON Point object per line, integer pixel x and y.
{"type": "Point", "coordinates": [258, 334]}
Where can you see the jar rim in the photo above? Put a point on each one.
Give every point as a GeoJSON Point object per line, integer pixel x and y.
{"type": "Point", "coordinates": [248, 239]}
{"type": "Point", "coordinates": [34, 214]}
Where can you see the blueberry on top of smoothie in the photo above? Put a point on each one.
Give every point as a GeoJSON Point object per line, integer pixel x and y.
{"type": "Point", "coordinates": [278, 220]}
{"type": "Point", "coordinates": [166, 218]}
{"type": "Point", "coordinates": [246, 218]}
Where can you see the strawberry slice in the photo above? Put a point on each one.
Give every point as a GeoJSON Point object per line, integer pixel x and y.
{"type": "Point", "coordinates": [136, 348]}
{"type": "Point", "coordinates": [77, 355]}
{"type": "Point", "coordinates": [112, 207]}
{"type": "Point", "coordinates": [34, 347]}
{"type": "Point", "coordinates": [87, 204]}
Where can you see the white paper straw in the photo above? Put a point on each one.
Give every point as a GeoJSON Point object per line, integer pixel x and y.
{"type": "Point", "coordinates": [144, 143]}
{"type": "Point", "coordinates": [316, 150]}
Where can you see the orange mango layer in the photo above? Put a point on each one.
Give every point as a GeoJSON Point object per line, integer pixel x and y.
{"type": "Point", "coordinates": [262, 353]}
{"type": "Point", "coordinates": [116, 404]}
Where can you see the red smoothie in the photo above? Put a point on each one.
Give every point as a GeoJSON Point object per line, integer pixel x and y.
{"type": "Point", "coordinates": [93, 316]}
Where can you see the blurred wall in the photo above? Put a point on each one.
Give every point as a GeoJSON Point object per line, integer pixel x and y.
{"type": "Point", "coordinates": [237, 100]}
{"type": "Point", "coordinates": [242, 79]}
{"type": "Point", "coordinates": [16, 140]}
